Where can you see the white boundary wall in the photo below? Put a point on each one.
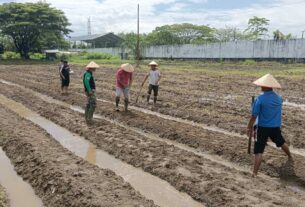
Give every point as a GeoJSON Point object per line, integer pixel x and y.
{"type": "Point", "coordinates": [265, 49]}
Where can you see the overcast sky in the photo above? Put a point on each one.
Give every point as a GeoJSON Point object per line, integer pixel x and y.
{"type": "Point", "coordinates": [120, 15]}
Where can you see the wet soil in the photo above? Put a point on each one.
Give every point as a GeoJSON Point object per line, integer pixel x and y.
{"type": "Point", "coordinates": [232, 148]}
{"type": "Point", "coordinates": [211, 183]}
{"type": "Point", "coordinates": [59, 177]}
{"type": "Point", "coordinates": [217, 100]}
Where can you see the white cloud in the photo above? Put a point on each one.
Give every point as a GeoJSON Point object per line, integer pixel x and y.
{"type": "Point", "coordinates": [121, 15]}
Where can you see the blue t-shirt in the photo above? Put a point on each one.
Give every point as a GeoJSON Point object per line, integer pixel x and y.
{"type": "Point", "coordinates": [268, 109]}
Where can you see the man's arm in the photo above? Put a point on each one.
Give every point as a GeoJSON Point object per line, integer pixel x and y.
{"type": "Point", "coordinates": [60, 72]}
{"type": "Point", "coordinates": [159, 78]}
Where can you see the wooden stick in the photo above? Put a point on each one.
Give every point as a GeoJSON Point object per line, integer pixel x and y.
{"type": "Point", "coordinates": [139, 94]}
{"type": "Point", "coordinates": [250, 137]}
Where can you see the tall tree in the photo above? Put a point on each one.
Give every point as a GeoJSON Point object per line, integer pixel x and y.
{"type": "Point", "coordinates": [278, 35]}
{"type": "Point", "coordinates": [189, 33]}
{"type": "Point", "coordinates": [229, 34]}
{"type": "Point", "coordinates": [257, 27]}
{"type": "Point", "coordinates": [7, 43]}
{"type": "Point", "coordinates": [27, 23]}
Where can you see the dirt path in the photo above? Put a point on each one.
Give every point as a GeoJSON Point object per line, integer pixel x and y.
{"type": "Point", "coordinates": [3, 198]}
{"type": "Point", "coordinates": [59, 177]}
{"type": "Point", "coordinates": [204, 180]}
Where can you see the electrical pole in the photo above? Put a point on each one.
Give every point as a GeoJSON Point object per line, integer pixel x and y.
{"type": "Point", "coordinates": [89, 26]}
{"type": "Point", "coordinates": [138, 40]}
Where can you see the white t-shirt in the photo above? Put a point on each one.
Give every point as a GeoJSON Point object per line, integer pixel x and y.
{"type": "Point", "coordinates": [154, 76]}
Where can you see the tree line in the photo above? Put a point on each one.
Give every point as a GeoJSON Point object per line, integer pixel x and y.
{"type": "Point", "coordinates": [32, 27]}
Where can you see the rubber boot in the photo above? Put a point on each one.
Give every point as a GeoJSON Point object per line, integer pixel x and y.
{"type": "Point", "coordinates": [117, 101]}
{"type": "Point", "coordinates": [126, 104]}
{"type": "Point", "coordinates": [90, 114]}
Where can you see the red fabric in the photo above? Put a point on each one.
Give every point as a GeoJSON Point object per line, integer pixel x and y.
{"type": "Point", "coordinates": [123, 78]}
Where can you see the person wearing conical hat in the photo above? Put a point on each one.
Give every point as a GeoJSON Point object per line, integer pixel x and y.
{"type": "Point", "coordinates": [154, 76]}
{"type": "Point", "coordinates": [89, 86]}
{"type": "Point", "coordinates": [124, 77]}
{"type": "Point", "coordinates": [267, 112]}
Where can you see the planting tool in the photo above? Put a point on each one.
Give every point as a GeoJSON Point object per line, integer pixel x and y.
{"type": "Point", "coordinates": [139, 94]}
{"type": "Point", "coordinates": [250, 136]}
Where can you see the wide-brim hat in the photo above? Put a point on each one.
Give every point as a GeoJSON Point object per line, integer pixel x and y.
{"type": "Point", "coordinates": [153, 63]}
{"type": "Point", "coordinates": [127, 67]}
{"type": "Point", "coordinates": [92, 64]}
{"type": "Point", "coordinates": [267, 81]}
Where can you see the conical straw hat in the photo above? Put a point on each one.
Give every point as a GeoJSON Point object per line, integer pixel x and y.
{"type": "Point", "coordinates": [153, 63]}
{"type": "Point", "coordinates": [127, 67]}
{"type": "Point", "coordinates": [267, 81]}
{"type": "Point", "coordinates": [92, 65]}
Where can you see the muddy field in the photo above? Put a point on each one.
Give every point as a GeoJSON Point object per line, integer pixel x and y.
{"type": "Point", "coordinates": [193, 139]}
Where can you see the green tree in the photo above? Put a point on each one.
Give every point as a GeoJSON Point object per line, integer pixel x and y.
{"type": "Point", "coordinates": [278, 35]}
{"type": "Point", "coordinates": [257, 27]}
{"type": "Point", "coordinates": [229, 34]}
{"type": "Point", "coordinates": [162, 37]}
{"type": "Point", "coordinates": [130, 41]}
{"type": "Point", "coordinates": [28, 23]}
{"type": "Point", "coordinates": [7, 43]}
{"type": "Point", "coordinates": [189, 33]}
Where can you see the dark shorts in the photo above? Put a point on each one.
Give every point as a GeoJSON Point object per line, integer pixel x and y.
{"type": "Point", "coordinates": [65, 82]}
{"type": "Point", "coordinates": [153, 88]}
{"type": "Point", "coordinates": [263, 133]}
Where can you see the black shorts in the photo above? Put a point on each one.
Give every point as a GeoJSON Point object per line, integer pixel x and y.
{"type": "Point", "coordinates": [65, 82]}
{"type": "Point", "coordinates": [263, 133]}
{"type": "Point", "coordinates": [153, 88]}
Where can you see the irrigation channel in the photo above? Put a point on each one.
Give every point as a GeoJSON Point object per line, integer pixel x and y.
{"type": "Point", "coordinates": [20, 193]}
{"type": "Point", "coordinates": [162, 193]}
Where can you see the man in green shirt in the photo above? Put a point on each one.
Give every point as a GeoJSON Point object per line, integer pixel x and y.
{"type": "Point", "coordinates": [89, 86]}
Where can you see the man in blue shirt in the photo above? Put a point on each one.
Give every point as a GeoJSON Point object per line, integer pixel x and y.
{"type": "Point", "coordinates": [267, 111]}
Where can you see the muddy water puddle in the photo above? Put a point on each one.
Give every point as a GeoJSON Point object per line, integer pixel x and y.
{"type": "Point", "coordinates": [161, 192]}
{"type": "Point", "coordinates": [20, 193]}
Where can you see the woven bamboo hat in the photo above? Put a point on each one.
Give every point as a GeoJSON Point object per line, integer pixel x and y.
{"type": "Point", "coordinates": [127, 67]}
{"type": "Point", "coordinates": [92, 65]}
{"type": "Point", "coordinates": [267, 81]}
{"type": "Point", "coordinates": [153, 63]}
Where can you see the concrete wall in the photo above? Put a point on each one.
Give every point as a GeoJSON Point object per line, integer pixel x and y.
{"type": "Point", "coordinates": [261, 49]}
{"type": "Point", "coordinates": [265, 49]}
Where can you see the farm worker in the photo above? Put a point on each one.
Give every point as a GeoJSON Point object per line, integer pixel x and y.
{"type": "Point", "coordinates": [267, 108]}
{"type": "Point", "coordinates": [64, 73]}
{"type": "Point", "coordinates": [154, 76]}
{"type": "Point", "coordinates": [123, 84]}
{"type": "Point", "coordinates": [89, 86]}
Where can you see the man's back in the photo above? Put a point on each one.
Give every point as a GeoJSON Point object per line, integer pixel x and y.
{"type": "Point", "coordinates": [268, 108]}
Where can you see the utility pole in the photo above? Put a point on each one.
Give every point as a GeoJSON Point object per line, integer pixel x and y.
{"type": "Point", "coordinates": [89, 26]}
{"type": "Point", "coordinates": [138, 40]}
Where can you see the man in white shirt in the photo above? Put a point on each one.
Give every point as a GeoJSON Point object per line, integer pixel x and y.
{"type": "Point", "coordinates": [154, 76]}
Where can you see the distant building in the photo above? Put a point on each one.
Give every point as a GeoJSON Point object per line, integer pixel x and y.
{"type": "Point", "coordinates": [96, 41]}
{"type": "Point", "coordinates": [51, 54]}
